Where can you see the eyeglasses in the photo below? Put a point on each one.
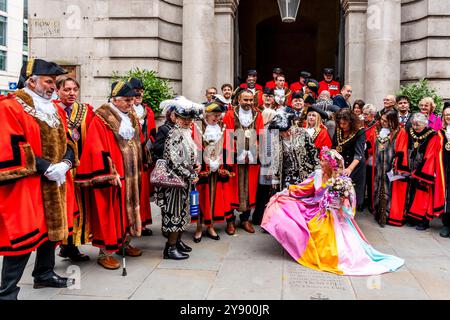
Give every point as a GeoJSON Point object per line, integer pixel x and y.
{"type": "Point", "coordinates": [211, 92]}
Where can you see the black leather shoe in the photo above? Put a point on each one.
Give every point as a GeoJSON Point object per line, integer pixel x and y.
{"type": "Point", "coordinates": [73, 254]}
{"type": "Point", "coordinates": [171, 252]}
{"type": "Point", "coordinates": [183, 247]}
{"type": "Point", "coordinates": [196, 240]}
{"type": "Point", "coordinates": [146, 232]}
{"type": "Point", "coordinates": [423, 226]}
{"type": "Point", "coordinates": [209, 235]}
{"type": "Point", "coordinates": [52, 280]}
{"type": "Point", "coordinates": [445, 232]}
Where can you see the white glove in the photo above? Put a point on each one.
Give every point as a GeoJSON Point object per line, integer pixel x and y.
{"type": "Point", "coordinates": [56, 172]}
{"type": "Point", "coordinates": [61, 182]}
{"type": "Point", "coordinates": [214, 165]}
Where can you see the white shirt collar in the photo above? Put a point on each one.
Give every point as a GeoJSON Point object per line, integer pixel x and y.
{"type": "Point", "coordinates": [140, 112]}
{"type": "Point", "coordinates": [245, 117]}
{"type": "Point", "coordinates": [41, 104]}
{"type": "Point", "coordinates": [126, 129]}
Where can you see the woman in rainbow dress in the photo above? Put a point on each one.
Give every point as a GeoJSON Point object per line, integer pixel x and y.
{"type": "Point", "coordinates": [314, 222]}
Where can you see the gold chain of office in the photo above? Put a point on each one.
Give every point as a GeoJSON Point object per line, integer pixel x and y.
{"type": "Point", "coordinates": [418, 140]}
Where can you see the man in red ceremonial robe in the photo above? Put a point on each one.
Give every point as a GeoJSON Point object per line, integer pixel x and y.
{"type": "Point", "coordinates": [298, 86]}
{"type": "Point", "coordinates": [275, 73]}
{"type": "Point", "coordinates": [245, 123]}
{"type": "Point", "coordinates": [328, 84]}
{"type": "Point", "coordinates": [255, 88]}
{"type": "Point", "coordinates": [37, 203]}
{"type": "Point", "coordinates": [79, 117]}
{"type": "Point", "coordinates": [146, 118]}
{"type": "Point", "coordinates": [110, 171]}
{"type": "Point", "coordinates": [420, 197]}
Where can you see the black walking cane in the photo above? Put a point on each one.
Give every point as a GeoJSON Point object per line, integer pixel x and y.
{"type": "Point", "coordinates": [124, 264]}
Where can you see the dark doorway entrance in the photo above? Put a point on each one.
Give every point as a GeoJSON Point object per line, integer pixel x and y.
{"type": "Point", "coordinates": [311, 43]}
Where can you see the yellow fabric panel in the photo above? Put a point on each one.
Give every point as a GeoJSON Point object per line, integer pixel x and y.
{"type": "Point", "coordinates": [321, 251]}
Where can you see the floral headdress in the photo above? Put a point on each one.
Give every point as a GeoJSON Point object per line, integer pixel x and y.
{"type": "Point", "coordinates": [332, 157]}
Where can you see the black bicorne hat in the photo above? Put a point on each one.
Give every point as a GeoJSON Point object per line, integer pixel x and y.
{"type": "Point", "coordinates": [122, 89]}
{"type": "Point", "coordinates": [39, 67]}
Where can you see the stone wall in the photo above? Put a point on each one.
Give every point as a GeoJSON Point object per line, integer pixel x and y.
{"type": "Point", "coordinates": [425, 43]}
{"type": "Point", "coordinates": [99, 37]}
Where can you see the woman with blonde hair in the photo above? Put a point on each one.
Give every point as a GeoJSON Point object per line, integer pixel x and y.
{"type": "Point", "coordinates": [317, 130]}
{"type": "Point", "coordinates": [427, 107]}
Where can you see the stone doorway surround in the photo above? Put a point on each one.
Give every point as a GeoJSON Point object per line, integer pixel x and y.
{"type": "Point", "coordinates": [372, 46]}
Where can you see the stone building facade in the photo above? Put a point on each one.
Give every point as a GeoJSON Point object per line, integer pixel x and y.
{"type": "Point", "coordinates": [377, 44]}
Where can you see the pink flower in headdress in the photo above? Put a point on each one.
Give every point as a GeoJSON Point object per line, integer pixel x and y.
{"type": "Point", "coordinates": [328, 155]}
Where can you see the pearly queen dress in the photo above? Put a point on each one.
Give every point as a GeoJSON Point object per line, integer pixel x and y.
{"type": "Point", "coordinates": [320, 235]}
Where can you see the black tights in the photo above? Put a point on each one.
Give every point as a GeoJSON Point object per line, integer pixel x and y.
{"type": "Point", "coordinates": [174, 237]}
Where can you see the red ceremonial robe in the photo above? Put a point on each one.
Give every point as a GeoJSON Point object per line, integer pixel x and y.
{"type": "Point", "coordinates": [257, 86]}
{"type": "Point", "coordinates": [322, 139]}
{"type": "Point", "coordinates": [426, 191]}
{"type": "Point", "coordinates": [78, 124]}
{"type": "Point", "coordinates": [333, 87]}
{"type": "Point", "coordinates": [272, 84]}
{"type": "Point", "coordinates": [111, 209]}
{"type": "Point", "coordinates": [371, 136]}
{"type": "Point", "coordinates": [32, 209]}
{"type": "Point", "coordinates": [213, 187]}
{"type": "Point", "coordinates": [296, 86]}
{"type": "Point", "coordinates": [149, 133]}
{"type": "Point", "coordinates": [237, 183]}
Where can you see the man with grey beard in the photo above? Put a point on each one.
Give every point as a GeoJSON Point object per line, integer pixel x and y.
{"type": "Point", "coordinates": [36, 188]}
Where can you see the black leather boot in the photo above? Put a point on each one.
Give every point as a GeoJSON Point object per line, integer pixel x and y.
{"type": "Point", "coordinates": [183, 247]}
{"type": "Point", "coordinates": [171, 252]}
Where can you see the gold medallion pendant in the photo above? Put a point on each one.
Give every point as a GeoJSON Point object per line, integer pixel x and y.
{"type": "Point", "coordinates": [381, 147]}
{"type": "Point", "coordinates": [339, 149]}
{"type": "Point", "coordinates": [447, 146]}
{"type": "Point", "coordinates": [248, 133]}
{"type": "Point", "coordinates": [416, 144]}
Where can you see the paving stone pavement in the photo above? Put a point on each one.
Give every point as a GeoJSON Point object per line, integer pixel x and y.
{"type": "Point", "coordinates": [253, 267]}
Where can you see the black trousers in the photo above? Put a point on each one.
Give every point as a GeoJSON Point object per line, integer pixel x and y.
{"type": "Point", "coordinates": [369, 188]}
{"type": "Point", "coordinates": [446, 219]}
{"type": "Point", "coordinates": [14, 266]}
{"type": "Point", "coordinates": [263, 194]}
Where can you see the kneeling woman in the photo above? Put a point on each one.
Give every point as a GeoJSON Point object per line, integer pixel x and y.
{"type": "Point", "coordinates": [180, 153]}
{"type": "Point", "coordinates": [314, 222]}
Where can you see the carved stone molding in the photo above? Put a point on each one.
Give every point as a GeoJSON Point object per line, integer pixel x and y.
{"type": "Point", "coordinates": [226, 6]}
{"type": "Point", "coordinates": [354, 6]}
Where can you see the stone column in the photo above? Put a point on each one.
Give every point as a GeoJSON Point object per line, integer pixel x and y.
{"type": "Point", "coordinates": [383, 45]}
{"type": "Point", "coordinates": [198, 48]}
{"type": "Point", "coordinates": [355, 46]}
{"type": "Point", "coordinates": [224, 40]}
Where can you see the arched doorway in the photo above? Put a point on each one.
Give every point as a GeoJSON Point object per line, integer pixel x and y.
{"type": "Point", "coordinates": [264, 42]}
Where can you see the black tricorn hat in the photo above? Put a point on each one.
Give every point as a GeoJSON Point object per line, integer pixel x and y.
{"type": "Point", "coordinates": [136, 83]}
{"type": "Point", "coordinates": [214, 107]}
{"type": "Point", "coordinates": [319, 110]}
{"type": "Point", "coordinates": [297, 95]}
{"type": "Point", "coordinates": [39, 67]}
{"type": "Point", "coordinates": [122, 89]}
{"type": "Point", "coordinates": [282, 120]}
{"type": "Point", "coordinates": [269, 91]}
